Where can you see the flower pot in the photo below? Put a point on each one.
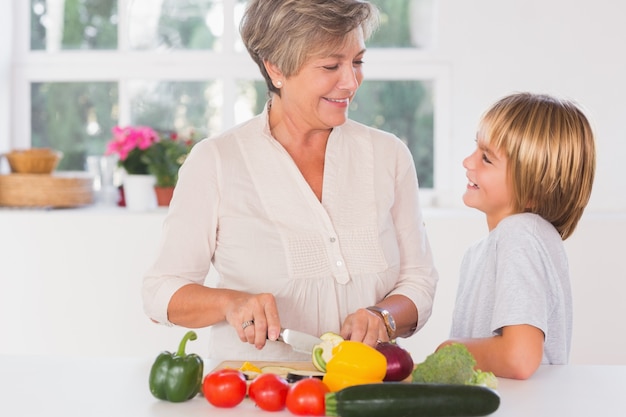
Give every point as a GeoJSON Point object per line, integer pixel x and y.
{"type": "Point", "coordinates": [164, 195]}
{"type": "Point", "coordinates": [139, 193]}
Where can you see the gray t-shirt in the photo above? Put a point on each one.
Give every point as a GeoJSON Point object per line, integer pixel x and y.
{"type": "Point", "coordinates": [518, 274]}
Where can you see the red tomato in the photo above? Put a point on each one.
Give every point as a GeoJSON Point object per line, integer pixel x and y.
{"type": "Point", "coordinates": [269, 392]}
{"type": "Point", "coordinates": [307, 397]}
{"type": "Point", "coordinates": [224, 388]}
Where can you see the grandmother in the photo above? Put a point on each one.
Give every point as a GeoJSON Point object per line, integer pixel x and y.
{"type": "Point", "coordinates": [311, 220]}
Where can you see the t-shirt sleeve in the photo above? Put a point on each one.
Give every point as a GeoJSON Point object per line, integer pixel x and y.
{"type": "Point", "coordinates": [523, 290]}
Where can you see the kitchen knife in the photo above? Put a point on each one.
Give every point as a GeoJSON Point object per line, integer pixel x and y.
{"type": "Point", "coordinates": [299, 341]}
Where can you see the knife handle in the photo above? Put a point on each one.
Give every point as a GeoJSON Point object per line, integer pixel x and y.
{"type": "Point", "coordinates": [280, 336]}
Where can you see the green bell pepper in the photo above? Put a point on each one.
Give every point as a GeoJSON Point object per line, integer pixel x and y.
{"type": "Point", "coordinates": [177, 377]}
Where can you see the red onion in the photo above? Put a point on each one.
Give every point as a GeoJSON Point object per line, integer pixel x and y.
{"type": "Point", "coordinates": [399, 361]}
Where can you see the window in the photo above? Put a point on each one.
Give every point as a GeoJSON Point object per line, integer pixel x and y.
{"type": "Point", "coordinates": [88, 65]}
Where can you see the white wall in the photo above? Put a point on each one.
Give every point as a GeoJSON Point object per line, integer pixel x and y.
{"type": "Point", "coordinates": [572, 48]}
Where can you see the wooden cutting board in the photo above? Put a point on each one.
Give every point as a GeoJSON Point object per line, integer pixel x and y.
{"type": "Point", "coordinates": [299, 365]}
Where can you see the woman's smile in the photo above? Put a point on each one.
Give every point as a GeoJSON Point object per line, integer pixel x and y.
{"type": "Point", "coordinates": [342, 101]}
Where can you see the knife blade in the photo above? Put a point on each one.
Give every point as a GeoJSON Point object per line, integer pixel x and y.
{"type": "Point", "coordinates": [299, 341]}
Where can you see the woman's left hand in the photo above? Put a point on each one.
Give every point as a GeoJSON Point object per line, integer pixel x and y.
{"type": "Point", "coordinates": [364, 326]}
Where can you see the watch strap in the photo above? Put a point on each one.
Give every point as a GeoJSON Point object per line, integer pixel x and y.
{"type": "Point", "coordinates": [388, 320]}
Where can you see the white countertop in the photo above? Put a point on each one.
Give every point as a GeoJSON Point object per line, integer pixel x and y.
{"type": "Point", "coordinates": [53, 386]}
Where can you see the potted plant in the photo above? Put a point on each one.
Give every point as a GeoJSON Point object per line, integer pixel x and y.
{"type": "Point", "coordinates": [163, 159]}
{"type": "Point", "coordinates": [130, 144]}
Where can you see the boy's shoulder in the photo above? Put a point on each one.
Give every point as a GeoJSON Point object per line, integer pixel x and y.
{"type": "Point", "coordinates": [525, 220]}
{"type": "Point", "coordinates": [526, 225]}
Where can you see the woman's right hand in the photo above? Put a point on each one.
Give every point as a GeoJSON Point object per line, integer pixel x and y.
{"type": "Point", "coordinates": [254, 317]}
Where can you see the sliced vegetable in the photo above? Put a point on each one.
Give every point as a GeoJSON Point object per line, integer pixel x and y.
{"type": "Point", "coordinates": [302, 374]}
{"type": "Point", "coordinates": [250, 375]}
{"type": "Point", "coordinates": [412, 400]}
{"type": "Point", "coordinates": [278, 370]}
{"type": "Point", "coordinates": [250, 370]}
{"type": "Point", "coordinates": [399, 361]}
{"type": "Point", "coordinates": [177, 377]}
{"type": "Point", "coordinates": [248, 366]}
{"type": "Point", "coordinates": [324, 351]}
{"type": "Point", "coordinates": [354, 363]}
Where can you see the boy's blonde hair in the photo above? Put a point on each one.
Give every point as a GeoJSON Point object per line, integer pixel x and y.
{"type": "Point", "coordinates": [551, 155]}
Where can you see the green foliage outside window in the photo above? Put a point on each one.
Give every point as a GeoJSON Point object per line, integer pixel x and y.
{"type": "Point", "coordinates": [173, 106]}
{"type": "Point", "coordinates": [405, 109]}
{"type": "Point", "coordinates": [185, 27]}
{"type": "Point", "coordinates": [75, 118]}
{"type": "Point", "coordinates": [87, 24]}
{"type": "Point", "coordinates": [394, 30]}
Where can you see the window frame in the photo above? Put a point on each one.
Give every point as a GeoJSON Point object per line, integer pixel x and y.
{"type": "Point", "coordinates": [123, 65]}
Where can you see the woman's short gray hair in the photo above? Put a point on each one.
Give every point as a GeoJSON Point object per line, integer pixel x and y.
{"type": "Point", "coordinates": [288, 32]}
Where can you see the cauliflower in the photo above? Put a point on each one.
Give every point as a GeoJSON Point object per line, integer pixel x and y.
{"type": "Point", "coordinates": [452, 364]}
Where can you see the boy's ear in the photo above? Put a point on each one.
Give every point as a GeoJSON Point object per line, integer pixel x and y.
{"type": "Point", "coordinates": [272, 70]}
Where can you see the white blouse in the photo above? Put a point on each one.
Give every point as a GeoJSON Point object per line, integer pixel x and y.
{"type": "Point", "coordinates": [242, 204]}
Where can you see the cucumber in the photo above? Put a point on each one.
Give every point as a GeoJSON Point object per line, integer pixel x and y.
{"type": "Point", "coordinates": [399, 399]}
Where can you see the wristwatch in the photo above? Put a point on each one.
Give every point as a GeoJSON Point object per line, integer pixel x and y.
{"type": "Point", "coordinates": [390, 323]}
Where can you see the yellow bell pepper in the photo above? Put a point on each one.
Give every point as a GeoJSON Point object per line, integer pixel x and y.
{"type": "Point", "coordinates": [354, 363]}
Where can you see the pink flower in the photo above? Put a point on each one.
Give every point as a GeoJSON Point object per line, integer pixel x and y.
{"type": "Point", "coordinates": [125, 139]}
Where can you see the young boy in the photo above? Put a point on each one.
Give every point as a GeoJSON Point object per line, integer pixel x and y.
{"type": "Point", "coordinates": [531, 174]}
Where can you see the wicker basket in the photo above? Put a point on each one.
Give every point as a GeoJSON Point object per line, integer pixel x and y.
{"type": "Point", "coordinates": [34, 161]}
{"type": "Point", "coordinates": [45, 191]}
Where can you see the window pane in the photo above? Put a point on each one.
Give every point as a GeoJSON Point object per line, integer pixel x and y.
{"type": "Point", "coordinates": [251, 98]}
{"type": "Point", "coordinates": [75, 118]}
{"type": "Point", "coordinates": [240, 7]}
{"type": "Point", "coordinates": [404, 23]}
{"type": "Point", "coordinates": [73, 24]}
{"type": "Point", "coordinates": [177, 106]}
{"type": "Point", "coordinates": [404, 108]}
{"type": "Point", "coordinates": [176, 24]}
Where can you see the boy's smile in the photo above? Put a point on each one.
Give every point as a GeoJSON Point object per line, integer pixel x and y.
{"type": "Point", "coordinates": [488, 187]}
